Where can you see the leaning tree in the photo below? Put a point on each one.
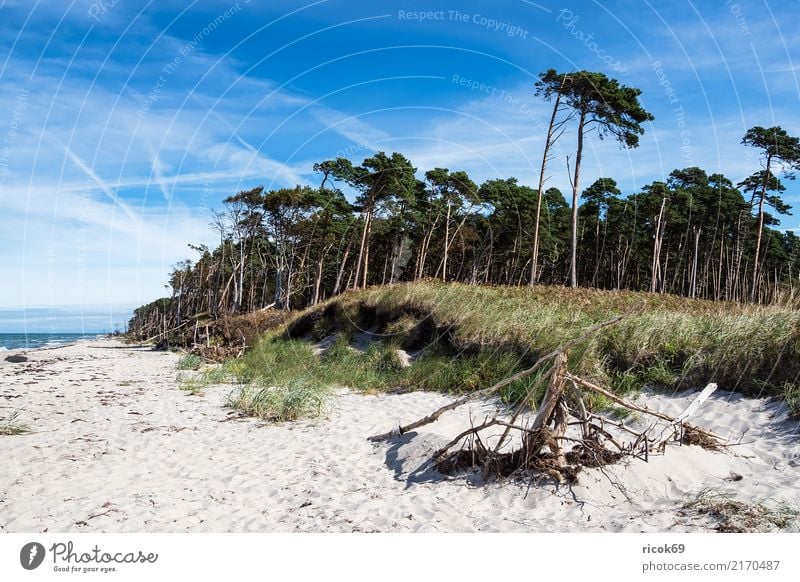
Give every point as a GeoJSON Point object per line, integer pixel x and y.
{"type": "Point", "coordinates": [781, 150]}
{"type": "Point", "coordinates": [598, 103]}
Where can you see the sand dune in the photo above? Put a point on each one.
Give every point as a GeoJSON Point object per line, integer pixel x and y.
{"type": "Point", "coordinates": [116, 446]}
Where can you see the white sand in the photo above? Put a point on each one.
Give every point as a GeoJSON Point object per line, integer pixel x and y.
{"type": "Point", "coordinates": [116, 446]}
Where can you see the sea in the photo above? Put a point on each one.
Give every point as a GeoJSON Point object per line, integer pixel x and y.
{"type": "Point", "coordinates": [16, 341]}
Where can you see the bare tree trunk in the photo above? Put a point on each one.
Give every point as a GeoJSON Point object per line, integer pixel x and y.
{"type": "Point", "coordinates": [693, 278]}
{"type": "Point", "coordinates": [318, 277]}
{"type": "Point", "coordinates": [540, 193]}
{"type": "Point", "coordinates": [759, 233]}
{"type": "Point", "coordinates": [366, 252]}
{"type": "Point", "coordinates": [738, 253]}
{"type": "Point", "coordinates": [423, 254]}
{"type": "Point", "coordinates": [367, 212]}
{"type": "Point", "coordinates": [656, 265]}
{"type": "Point", "coordinates": [338, 285]}
{"type": "Point", "coordinates": [575, 187]}
{"type": "Point", "coordinates": [446, 242]}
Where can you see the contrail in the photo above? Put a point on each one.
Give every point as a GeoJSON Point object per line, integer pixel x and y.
{"type": "Point", "coordinates": [105, 188]}
{"type": "Point", "coordinates": [160, 177]}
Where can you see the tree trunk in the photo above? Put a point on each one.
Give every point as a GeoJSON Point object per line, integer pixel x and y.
{"type": "Point", "coordinates": [540, 193]}
{"type": "Point", "coordinates": [760, 229]}
{"type": "Point", "coordinates": [366, 251]}
{"type": "Point", "coordinates": [446, 242]}
{"type": "Point", "coordinates": [338, 285]}
{"type": "Point", "coordinates": [693, 278]}
{"type": "Point", "coordinates": [367, 212]}
{"type": "Point", "coordinates": [659, 237]}
{"type": "Point", "coordinates": [575, 187]}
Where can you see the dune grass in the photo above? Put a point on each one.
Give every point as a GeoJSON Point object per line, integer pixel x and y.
{"type": "Point", "coordinates": [468, 337]}
{"type": "Point", "coordinates": [291, 401]}
{"type": "Point", "coordinates": [277, 361]}
{"type": "Point", "coordinates": [194, 381]}
{"type": "Point", "coordinates": [792, 397]}
{"type": "Point", "coordinates": [10, 425]}
{"type": "Point", "coordinates": [190, 362]}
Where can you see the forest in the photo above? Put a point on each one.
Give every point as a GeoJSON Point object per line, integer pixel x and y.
{"type": "Point", "coordinates": [697, 235]}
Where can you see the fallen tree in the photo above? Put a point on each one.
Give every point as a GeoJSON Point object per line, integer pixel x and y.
{"type": "Point", "coordinates": [600, 440]}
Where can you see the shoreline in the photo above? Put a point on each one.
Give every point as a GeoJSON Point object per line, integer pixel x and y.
{"type": "Point", "coordinates": [116, 446]}
{"type": "Point", "coordinates": [86, 338]}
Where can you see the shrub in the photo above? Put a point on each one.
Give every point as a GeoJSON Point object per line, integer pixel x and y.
{"type": "Point", "coordinates": [298, 399]}
{"type": "Point", "coordinates": [190, 362]}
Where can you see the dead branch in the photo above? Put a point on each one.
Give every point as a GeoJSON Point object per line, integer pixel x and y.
{"type": "Point", "coordinates": [542, 450]}
{"type": "Point", "coordinates": [505, 382]}
{"type": "Point", "coordinates": [615, 423]}
{"type": "Point", "coordinates": [164, 333]}
{"type": "Point", "coordinates": [632, 406]}
{"type": "Point", "coordinates": [554, 391]}
{"type": "Point", "coordinates": [677, 425]}
{"type": "Point", "coordinates": [582, 415]}
{"type": "Point", "coordinates": [472, 430]}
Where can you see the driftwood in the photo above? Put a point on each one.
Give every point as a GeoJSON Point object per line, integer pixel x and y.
{"type": "Point", "coordinates": [163, 334]}
{"type": "Point", "coordinates": [542, 448]}
{"type": "Point", "coordinates": [631, 406]}
{"type": "Point", "coordinates": [433, 417]}
{"type": "Point", "coordinates": [676, 428]}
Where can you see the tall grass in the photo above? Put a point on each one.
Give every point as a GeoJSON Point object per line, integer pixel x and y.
{"type": "Point", "coordinates": [468, 337]}
{"type": "Point", "coordinates": [671, 341]}
{"type": "Point", "coordinates": [792, 397]}
{"type": "Point", "coordinates": [298, 399]}
{"type": "Point", "coordinates": [277, 361]}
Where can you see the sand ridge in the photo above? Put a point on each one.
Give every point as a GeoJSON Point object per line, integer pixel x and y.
{"type": "Point", "coordinates": [117, 446]}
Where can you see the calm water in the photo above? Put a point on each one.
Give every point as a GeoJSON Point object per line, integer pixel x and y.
{"type": "Point", "coordinates": [14, 341]}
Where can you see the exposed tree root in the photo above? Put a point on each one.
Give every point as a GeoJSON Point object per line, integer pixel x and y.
{"type": "Point", "coordinates": [694, 436]}
{"type": "Point", "coordinates": [601, 441]}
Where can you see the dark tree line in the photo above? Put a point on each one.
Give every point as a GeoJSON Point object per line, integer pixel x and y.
{"type": "Point", "coordinates": [695, 234]}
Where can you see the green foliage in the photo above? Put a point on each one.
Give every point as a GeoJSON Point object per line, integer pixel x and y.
{"type": "Point", "coordinates": [670, 342]}
{"type": "Point", "coordinates": [193, 386]}
{"type": "Point", "coordinates": [776, 144]}
{"type": "Point", "coordinates": [295, 400]}
{"type": "Point", "coordinates": [190, 362]}
{"type": "Point", "coordinates": [700, 227]}
{"type": "Point", "coordinates": [791, 394]}
{"type": "Point", "coordinates": [613, 107]}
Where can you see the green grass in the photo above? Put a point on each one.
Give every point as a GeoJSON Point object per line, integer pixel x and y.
{"type": "Point", "coordinates": [297, 399]}
{"type": "Point", "coordinates": [190, 362]}
{"type": "Point", "coordinates": [195, 383]}
{"type": "Point", "coordinates": [469, 337]}
{"type": "Point", "coordinates": [193, 386]}
{"type": "Point", "coordinates": [10, 425]}
{"type": "Point", "coordinates": [277, 361]}
{"type": "Point", "coordinates": [792, 397]}
{"type": "Point", "coordinates": [671, 341]}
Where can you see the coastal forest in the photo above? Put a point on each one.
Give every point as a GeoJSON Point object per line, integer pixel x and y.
{"type": "Point", "coordinates": [383, 221]}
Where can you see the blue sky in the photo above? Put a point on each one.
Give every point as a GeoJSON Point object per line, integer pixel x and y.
{"type": "Point", "coordinates": [124, 124]}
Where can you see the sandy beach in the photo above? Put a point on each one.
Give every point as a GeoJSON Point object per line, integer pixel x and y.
{"type": "Point", "coordinates": [116, 446]}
